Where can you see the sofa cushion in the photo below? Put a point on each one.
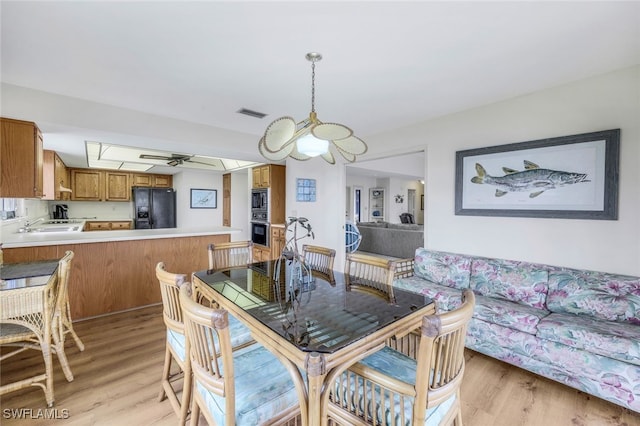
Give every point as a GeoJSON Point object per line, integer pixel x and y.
{"type": "Point", "coordinates": [519, 282]}
{"type": "Point", "coordinates": [508, 314]}
{"type": "Point", "coordinates": [448, 269]}
{"type": "Point", "coordinates": [446, 298]}
{"type": "Point", "coordinates": [601, 295]}
{"type": "Point", "coordinates": [610, 339]}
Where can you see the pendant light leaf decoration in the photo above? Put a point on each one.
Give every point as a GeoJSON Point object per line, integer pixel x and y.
{"type": "Point", "coordinates": [280, 139]}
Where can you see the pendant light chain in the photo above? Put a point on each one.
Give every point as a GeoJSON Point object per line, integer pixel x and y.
{"type": "Point", "coordinates": [313, 86]}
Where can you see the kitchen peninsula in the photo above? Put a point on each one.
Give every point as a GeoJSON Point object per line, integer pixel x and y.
{"type": "Point", "coordinates": [115, 270]}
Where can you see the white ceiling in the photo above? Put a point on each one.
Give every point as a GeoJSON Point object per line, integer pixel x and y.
{"type": "Point", "coordinates": [386, 64]}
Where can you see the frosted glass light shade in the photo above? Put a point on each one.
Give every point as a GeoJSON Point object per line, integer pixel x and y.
{"type": "Point", "coordinates": [311, 146]}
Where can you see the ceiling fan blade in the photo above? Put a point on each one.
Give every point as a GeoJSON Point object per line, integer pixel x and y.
{"type": "Point", "coordinates": [155, 157]}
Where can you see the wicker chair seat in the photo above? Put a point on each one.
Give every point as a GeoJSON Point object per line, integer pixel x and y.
{"type": "Point", "coordinates": [403, 368]}
{"type": "Point", "coordinates": [240, 336]}
{"type": "Point", "coordinates": [15, 333]}
{"type": "Point", "coordinates": [263, 388]}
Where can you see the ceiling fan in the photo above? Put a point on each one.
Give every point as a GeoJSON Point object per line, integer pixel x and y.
{"type": "Point", "coordinates": [174, 159]}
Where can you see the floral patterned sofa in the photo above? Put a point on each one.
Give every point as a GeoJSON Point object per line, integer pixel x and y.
{"type": "Point", "coordinates": [578, 327]}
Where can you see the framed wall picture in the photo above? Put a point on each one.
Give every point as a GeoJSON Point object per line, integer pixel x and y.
{"type": "Point", "coordinates": [204, 198]}
{"type": "Point", "coordinates": [564, 177]}
{"type": "Point", "coordinates": [306, 190]}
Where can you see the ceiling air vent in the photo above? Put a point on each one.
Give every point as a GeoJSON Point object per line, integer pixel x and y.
{"type": "Point", "coordinates": [251, 113]}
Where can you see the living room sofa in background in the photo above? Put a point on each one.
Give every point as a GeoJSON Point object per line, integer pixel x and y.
{"type": "Point", "coordinates": [578, 327]}
{"type": "Point", "coordinates": [391, 239]}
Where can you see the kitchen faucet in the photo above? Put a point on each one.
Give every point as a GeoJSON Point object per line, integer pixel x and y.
{"type": "Point", "coordinates": [27, 225]}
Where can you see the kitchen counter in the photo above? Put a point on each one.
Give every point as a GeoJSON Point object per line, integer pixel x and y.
{"type": "Point", "coordinates": [37, 239]}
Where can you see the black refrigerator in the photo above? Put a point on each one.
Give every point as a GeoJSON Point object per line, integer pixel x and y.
{"type": "Point", "coordinates": [154, 208]}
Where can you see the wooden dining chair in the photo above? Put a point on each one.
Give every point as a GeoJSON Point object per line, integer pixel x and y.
{"type": "Point", "coordinates": [318, 258]}
{"type": "Point", "coordinates": [229, 255]}
{"type": "Point", "coordinates": [170, 284]}
{"type": "Point", "coordinates": [389, 388]}
{"type": "Point", "coordinates": [26, 322]}
{"type": "Point", "coordinates": [369, 274]}
{"type": "Point", "coordinates": [242, 387]}
{"type": "Point", "coordinates": [63, 311]}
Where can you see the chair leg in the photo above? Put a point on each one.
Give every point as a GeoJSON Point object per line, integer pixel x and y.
{"type": "Point", "coordinates": [195, 412]}
{"type": "Point", "coordinates": [165, 373]}
{"type": "Point", "coordinates": [186, 394]}
{"type": "Point", "coordinates": [68, 326]}
{"type": "Point", "coordinates": [58, 346]}
{"type": "Point", "coordinates": [48, 367]}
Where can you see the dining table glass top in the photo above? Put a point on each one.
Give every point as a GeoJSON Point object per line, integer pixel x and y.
{"type": "Point", "coordinates": [26, 274]}
{"type": "Point", "coordinates": [320, 314]}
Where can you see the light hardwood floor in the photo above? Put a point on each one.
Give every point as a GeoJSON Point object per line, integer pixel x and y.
{"type": "Point", "coordinates": [117, 383]}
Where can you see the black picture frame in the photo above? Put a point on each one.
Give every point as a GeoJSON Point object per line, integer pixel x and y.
{"type": "Point", "coordinates": [542, 178]}
{"type": "Point", "coordinates": [204, 198]}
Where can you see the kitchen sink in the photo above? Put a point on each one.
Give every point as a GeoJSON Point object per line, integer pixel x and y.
{"type": "Point", "coordinates": [66, 228]}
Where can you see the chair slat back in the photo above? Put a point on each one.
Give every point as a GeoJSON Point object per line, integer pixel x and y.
{"type": "Point", "coordinates": [319, 258]}
{"type": "Point", "coordinates": [209, 348]}
{"type": "Point", "coordinates": [229, 255]}
{"type": "Point", "coordinates": [440, 367]}
{"type": "Point", "coordinates": [370, 274]}
{"type": "Point", "coordinates": [64, 270]}
{"type": "Point", "coordinates": [170, 290]}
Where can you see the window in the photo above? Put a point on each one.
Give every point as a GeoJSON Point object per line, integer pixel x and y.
{"type": "Point", "coordinates": [9, 208]}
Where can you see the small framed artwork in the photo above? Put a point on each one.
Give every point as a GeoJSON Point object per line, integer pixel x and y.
{"type": "Point", "coordinates": [306, 190]}
{"type": "Point", "coordinates": [204, 198]}
{"type": "Point", "coordinates": [570, 177]}
{"type": "Point", "coordinates": [422, 202]}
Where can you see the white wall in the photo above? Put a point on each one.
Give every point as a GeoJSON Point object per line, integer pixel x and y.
{"type": "Point", "coordinates": [326, 214]}
{"type": "Point", "coordinates": [187, 217]}
{"type": "Point", "coordinates": [605, 102]}
{"type": "Point", "coordinates": [240, 212]}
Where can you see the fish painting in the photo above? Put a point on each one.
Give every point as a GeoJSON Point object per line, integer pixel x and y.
{"type": "Point", "coordinates": [532, 179]}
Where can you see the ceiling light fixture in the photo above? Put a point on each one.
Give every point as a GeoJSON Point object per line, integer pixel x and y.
{"type": "Point", "coordinates": [309, 138]}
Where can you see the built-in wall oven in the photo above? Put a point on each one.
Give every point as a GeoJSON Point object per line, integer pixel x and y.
{"type": "Point", "coordinates": [260, 233]}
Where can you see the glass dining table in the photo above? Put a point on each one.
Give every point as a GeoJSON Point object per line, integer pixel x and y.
{"type": "Point", "coordinates": [317, 326]}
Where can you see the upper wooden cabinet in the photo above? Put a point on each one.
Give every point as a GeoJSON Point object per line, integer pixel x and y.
{"type": "Point", "coordinates": [151, 180]}
{"type": "Point", "coordinates": [112, 185]}
{"type": "Point", "coordinates": [86, 184]}
{"type": "Point", "coordinates": [272, 176]}
{"type": "Point", "coordinates": [21, 159]}
{"type": "Point", "coordinates": [99, 185]}
{"type": "Point", "coordinates": [55, 175]}
{"type": "Point", "coordinates": [117, 186]}
{"type": "Point", "coordinates": [262, 176]}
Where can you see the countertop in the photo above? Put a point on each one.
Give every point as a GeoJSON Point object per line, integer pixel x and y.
{"type": "Point", "coordinates": [15, 240]}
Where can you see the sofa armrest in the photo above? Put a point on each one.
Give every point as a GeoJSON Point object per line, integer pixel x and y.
{"type": "Point", "coordinates": [403, 268]}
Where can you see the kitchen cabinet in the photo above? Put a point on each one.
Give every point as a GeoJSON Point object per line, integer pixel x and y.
{"type": "Point", "coordinates": [55, 176]}
{"type": "Point", "coordinates": [262, 176]}
{"type": "Point", "coordinates": [272, 176]}
{"type": "Point", "coordinates": [86, 184]}
{"type": "Point", "coordinates": [151, 180]}
{"type": "Point", "coordinates": [21, 159]}
{"type": "Point", "coordinates": [278, 240]}
{"type": "Point", "coordinates": [376, 204]}
{"type": "Point", "coordinates": [107, 225]}
{"type": "Point", "coordinates": [99, 185]}
{"type": "Point", "coordinates": [226, 199]}
{"type": "Point", "coordinates": [261, 253]}
{"type": "Point", "coordinates": [117, 187]}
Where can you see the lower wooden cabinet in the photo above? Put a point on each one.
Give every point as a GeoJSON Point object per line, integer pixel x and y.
{"type": "Point", "coordinates": [261, 253]}
{"type": "Point", "coordinates": [278, 240]}
{"type": "Point", "coordinates": [107, 226]}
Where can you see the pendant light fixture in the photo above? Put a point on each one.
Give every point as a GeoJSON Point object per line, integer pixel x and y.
{"type": "Point", "coordinates": [310, 137]}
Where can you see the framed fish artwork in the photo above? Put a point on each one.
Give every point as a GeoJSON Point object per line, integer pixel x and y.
{"type": "Point", "coordinates": [571, 177]}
